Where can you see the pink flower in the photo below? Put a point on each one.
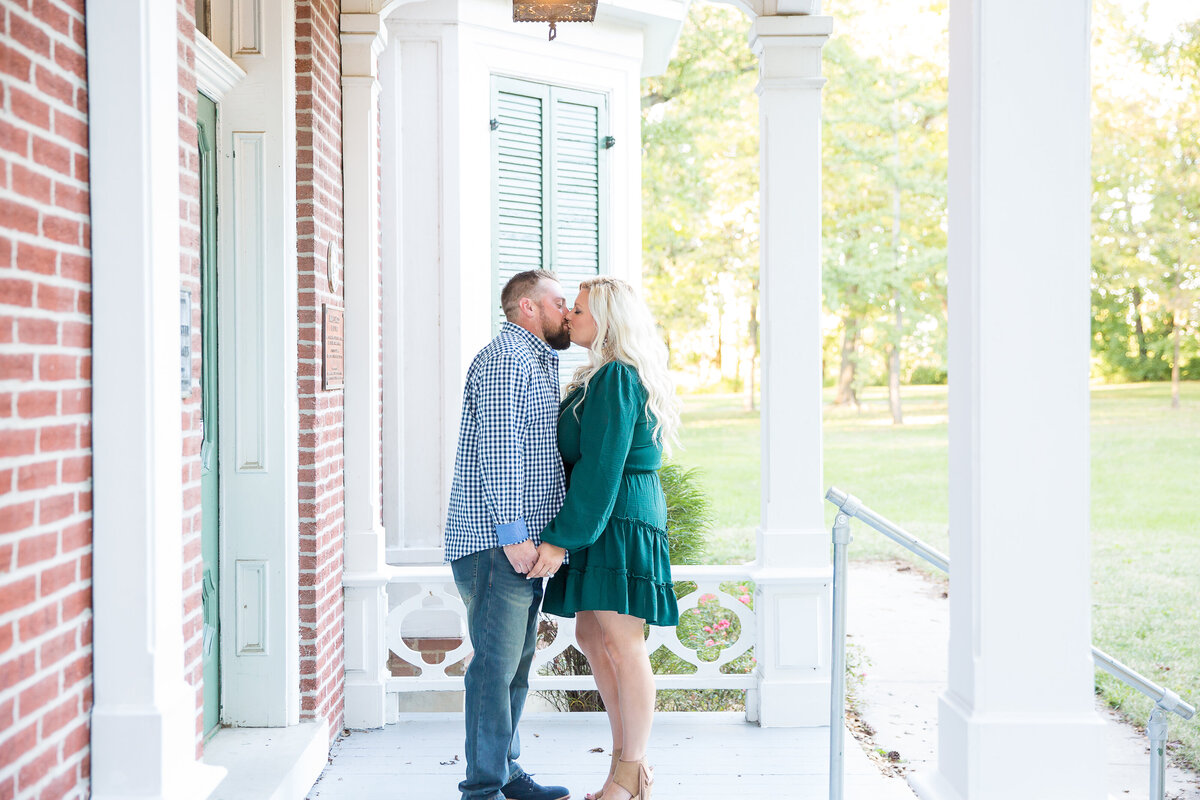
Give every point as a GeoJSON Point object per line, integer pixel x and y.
{"type": "Point", "coordinates": [709, 643]}
{"type": "Point", "coordinates": [743, 589]}
{"type": "Point", "coordinates": [707, 598]}
{"type": "Point", "coordinates": [745, 599]}
{"type": "Point", "coordinates": [723, 624]}
{"type": "Point", "coordinates": [708, 628]}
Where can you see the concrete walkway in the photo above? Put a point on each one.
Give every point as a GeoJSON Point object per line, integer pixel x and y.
{"type": "Point", "coordinates": [697, 756]}
{"type": "Point", "coordinates": [898, 624]}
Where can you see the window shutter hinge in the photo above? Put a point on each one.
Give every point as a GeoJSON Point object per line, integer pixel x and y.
{"type": "Point", "coordinates": [495, 123]}
{"type": "Point", "coordinates": [610, 142]}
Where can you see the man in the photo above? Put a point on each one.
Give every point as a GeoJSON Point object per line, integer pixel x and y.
{"type": "Point", "coordinates": [508, 484]}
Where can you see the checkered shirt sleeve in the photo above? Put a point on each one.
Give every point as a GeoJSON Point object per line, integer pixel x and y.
{"type": "Point", "coordinates": [508, 474]}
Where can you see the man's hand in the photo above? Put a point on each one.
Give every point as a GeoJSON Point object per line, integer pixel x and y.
{"type": "Point", "coordinates": [549, 559]}
{"type": "Point", "coordinates": [521, 555]}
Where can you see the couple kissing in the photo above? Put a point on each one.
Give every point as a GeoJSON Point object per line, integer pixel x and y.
{"type": "Point", "coordinates": [556, 504]}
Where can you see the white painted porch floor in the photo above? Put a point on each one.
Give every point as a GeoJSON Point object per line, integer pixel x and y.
{"type": "Point", "coordinates": [697, 756]}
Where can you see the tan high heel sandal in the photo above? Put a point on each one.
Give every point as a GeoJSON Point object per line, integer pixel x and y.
{"type": "Point", "coordinates": [636, 778]}
{"type": "Point", "coordinates": [612, 768]}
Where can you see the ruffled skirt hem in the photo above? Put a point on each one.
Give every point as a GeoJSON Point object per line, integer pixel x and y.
{"type": "Point", "coordinates": [627, 570]}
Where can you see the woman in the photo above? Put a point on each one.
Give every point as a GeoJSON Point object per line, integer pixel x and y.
{"type": "Point", "coordinates": [618, 413]}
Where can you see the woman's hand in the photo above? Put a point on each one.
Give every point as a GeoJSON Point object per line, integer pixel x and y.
{"type": "Point", "coordinates": [549, 559]}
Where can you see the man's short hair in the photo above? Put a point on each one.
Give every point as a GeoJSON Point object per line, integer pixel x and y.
{"type": "Point", "coordinates": [523, 284]}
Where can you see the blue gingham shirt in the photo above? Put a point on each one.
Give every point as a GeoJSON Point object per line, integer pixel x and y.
{"type": "Point", "coordinates": [508, 474]}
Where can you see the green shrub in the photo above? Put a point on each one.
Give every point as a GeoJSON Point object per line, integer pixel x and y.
{"type": "Point", "coordinates": [926, 375]}
{"type": "Point", "coordinates": [689, 515]}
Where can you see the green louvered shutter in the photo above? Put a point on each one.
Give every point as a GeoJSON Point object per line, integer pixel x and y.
{"type": "Point", "coordinates": [520, 151]}
{"type": "Point", "coordinates": [577, 127]}
{"type": "Point", "coordinates": [549, 186]}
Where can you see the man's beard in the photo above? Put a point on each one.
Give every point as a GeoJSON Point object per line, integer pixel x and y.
{"type": "Point", "coordinates": [560, 339]}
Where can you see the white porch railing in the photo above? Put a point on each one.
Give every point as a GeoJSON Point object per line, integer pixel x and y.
{"type": "Point", "coordinates": [426, 620]}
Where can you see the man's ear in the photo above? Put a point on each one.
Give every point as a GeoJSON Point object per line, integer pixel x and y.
{"type": "Point", "coordinates": [526, 306]}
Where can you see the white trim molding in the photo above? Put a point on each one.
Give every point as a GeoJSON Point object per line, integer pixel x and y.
{"type": "Point", "coordinates": [216, 73]}
{"type": "Point", "coordinates": [144, 717]}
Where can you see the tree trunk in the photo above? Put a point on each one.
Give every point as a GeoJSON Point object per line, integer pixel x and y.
{"type": "Point", "coordinates": [1139, 328]}
{"type": "Point", "coordinates": [1175, 335]}
{"type": "Point", "coordinates": [750, 402]}
{"type": "Point", "coordinates": [898, 328]}
{"type": "Point", "coordinates": [720, 323]}
{"type": "Point", "coordinates": [845, 386]}
{"type": "Point", "coordinates": [894, 363]}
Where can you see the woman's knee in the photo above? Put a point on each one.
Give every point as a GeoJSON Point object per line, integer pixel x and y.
{"type": "Point", "coordinates": [588, 634]}
{"type": "Point", "coordinates": [625, 646]}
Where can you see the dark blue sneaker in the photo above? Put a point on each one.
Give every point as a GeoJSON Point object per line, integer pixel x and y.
{"type": "Point", "coordinates": [525, 788]}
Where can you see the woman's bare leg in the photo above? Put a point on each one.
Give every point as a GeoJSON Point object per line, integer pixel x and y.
{"type": "Point", "coordinates": [626, 646]}
{"type": "Point", "coordinates": [590, 638]}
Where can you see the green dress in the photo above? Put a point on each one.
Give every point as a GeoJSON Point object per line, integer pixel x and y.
{"type": "Point", "coordinates": [614, 518]}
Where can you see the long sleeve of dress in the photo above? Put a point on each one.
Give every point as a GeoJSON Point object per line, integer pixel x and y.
{"type": "Point", "coordinates": [611, 411]}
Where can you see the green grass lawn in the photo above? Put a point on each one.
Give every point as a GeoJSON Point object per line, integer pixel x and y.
{"type": "Point", "coordinates": [1145, 510]}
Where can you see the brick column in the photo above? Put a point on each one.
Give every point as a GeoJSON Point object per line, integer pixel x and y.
{"type": "Point", "coordinates": [45, 405]}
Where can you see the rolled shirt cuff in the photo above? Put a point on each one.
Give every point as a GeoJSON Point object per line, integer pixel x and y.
{"type": "Point", "coordinates": [512, 532]}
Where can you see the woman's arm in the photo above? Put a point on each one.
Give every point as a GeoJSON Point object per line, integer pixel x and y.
{"type": "Point", "coordinates": [611, 410]}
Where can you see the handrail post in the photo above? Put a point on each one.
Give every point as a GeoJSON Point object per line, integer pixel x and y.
{"type": "Point", "coordinates": [1156, 731]}
{"type": "Point", "coordinates": [837, 694]}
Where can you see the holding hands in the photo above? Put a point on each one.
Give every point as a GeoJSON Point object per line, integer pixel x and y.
{"type": "Point", "coordinates": [540, 562]}
{"type": "Point", "coordinates": [549, 559]}
{"type": "Point", "coordinates": [521, 555]}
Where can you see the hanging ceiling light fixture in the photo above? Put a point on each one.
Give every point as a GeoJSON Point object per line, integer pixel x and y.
{"type": "Point", "coordinates": [554, 11]}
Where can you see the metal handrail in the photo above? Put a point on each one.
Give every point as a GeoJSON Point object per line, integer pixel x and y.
{"type": "Point", "coordinates": [850, 507]}
{"type": "Point", "coordinates": [853, 507]}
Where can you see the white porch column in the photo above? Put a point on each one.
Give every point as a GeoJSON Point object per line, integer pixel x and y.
{"type": "Point", "coordinates": [1017, 719]}
{"type": "Point", "coordinates": [794, 573]}
{"type": "Point", "coordinates": [363, 38]}
{"type": "Point", "coordinates": [143, 734]}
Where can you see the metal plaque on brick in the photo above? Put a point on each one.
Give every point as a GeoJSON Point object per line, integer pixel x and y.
{"type": "Point", "coordinates": [333, 361]}
{"type": "Point", "coordinates": [185, 342]}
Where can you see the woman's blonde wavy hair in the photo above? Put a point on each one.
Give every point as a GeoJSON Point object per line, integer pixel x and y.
{"type": "Point", "coordinates": [625, 332]}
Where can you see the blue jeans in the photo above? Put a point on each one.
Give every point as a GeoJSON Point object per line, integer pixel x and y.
{"type": "Point", "coordinates": [502, 611]}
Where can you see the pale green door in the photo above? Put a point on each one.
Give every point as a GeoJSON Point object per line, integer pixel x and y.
{"type": "Point", "coordinates": [210, 474]}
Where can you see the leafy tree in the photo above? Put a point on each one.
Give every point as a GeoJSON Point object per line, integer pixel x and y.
{"type": "Point", "coordinates": [884, 238]}
{"type": "Point", "coordinates": [700, 184]}
{"type": "Point", "coordinates": [884, 192]}
{"type": "Point", "coordinates": [1146, 254]}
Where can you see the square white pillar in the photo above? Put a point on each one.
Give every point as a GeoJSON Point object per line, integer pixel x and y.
{"type": "Point", "coordinates": [1017, 719]}
{"type": "Point", "coordinates": [363, 39]}
{"type": "Point", "coordinates": [793, 577]}
{"type": "Point", "coordinates": [143, 733]}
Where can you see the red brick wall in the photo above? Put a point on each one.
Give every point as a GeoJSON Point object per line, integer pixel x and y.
{"type": "Point", "coordinates": [191, 423]}
{"type": "Point", "coordinates": [45, 403]}
{"type": "Point", "coordinates": [319, 221]}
